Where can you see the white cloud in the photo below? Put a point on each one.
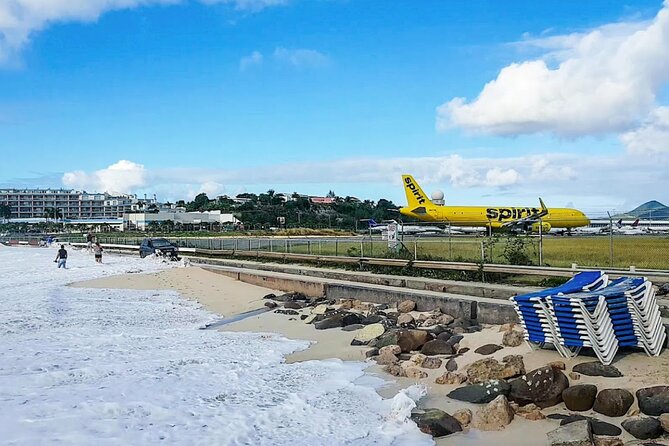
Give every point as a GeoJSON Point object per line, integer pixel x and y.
{"type": "Point", "coordinates": [652, 136]}
{"type": "Point", "coordinates": [300, 57]}
{"type": "Point", "coordinates": [501, 177]}
{"type": "Point", "coordinates": [121, 177]}
{"type": "Point", "coordinates": [253, 59]}
{"type": "Point", "coordinates": [604, 81]}
{"type": "Point", "coordinates": [20, 19]}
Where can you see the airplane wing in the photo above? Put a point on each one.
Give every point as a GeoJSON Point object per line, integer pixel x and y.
{"type": "Point", "coordinates": [525, 222]}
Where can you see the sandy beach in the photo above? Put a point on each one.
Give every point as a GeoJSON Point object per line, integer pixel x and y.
{"type": "Point", "coordinates": [228, 297]}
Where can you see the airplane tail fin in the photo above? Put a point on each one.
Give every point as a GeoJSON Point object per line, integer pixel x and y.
{"type": "Point", "coordinates": [636, 223]}
{"type": "Point", "coordinates": [416, 198]}
{"type": "Point", "coordinates": [372, 222]}
{"type": "Point", "coordinates": [619, 223]}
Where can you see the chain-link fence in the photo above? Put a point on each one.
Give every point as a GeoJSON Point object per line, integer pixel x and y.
{"type": "Point", "coordinates": [619, 251]}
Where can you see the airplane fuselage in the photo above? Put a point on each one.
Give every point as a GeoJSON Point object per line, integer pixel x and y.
{"type": "Point", "coordinates": [495, 217]}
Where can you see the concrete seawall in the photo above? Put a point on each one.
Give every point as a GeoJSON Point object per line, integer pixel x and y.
{"type": "Point", "coordinates": [482, 309]}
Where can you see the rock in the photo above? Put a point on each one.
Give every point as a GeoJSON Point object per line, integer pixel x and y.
{"type": "Point", "coordinates": [352, 327]}
{"type": "Point", "coordinates": [444, 336]}
{"type": "Point", "coordinates": [309, 319]}
{"type": "Point", "coordinates": [451, 365]}
{"type": "Point", "coordinates": [405, 319]}
{"type": "Point", "coordinates": [320, 309]}
{"type": "Point", "coordinates": [455, 339]}
{"type": "Point", "coordinates": [572, 434]}
{"type": "Point", "coordinates": [664, 421]}
{"type": "Point", "coordinates": [663, 289]}
{"type": "Point", "coordinates": [418, 359]}
{"type": "Point", "coordinates": [596, 368]}
{"type": "Point", "coordinates": [575, 376]}
{"type": "Point", "coordinates": [292, 305]}
{"type": "Point", "coordinates": [351, 319]}
{"type": "Point", "coordinates": [542, 386]}
{"type": "Point", "coordinates": [288, 312]}
{"type": "Point", "coordinates": [488, 349]}
{"type": "Point", "coordinates": [530, 412]}
{"type": "Point", "coordinates": [579, 398]}
{"type": "Point", "coordinates": [495, 416]}
{"type": "Point", "coordinates": [269, 296]}
{"type": "Point", "coordinates": [416, 373]}
{"type": "Point", "coordinates": [480, 393]}
{"type": "Point", "coordinates": [512, 338]}
{"type": "Point", "coordinates": [507, 327]}
{"type": "Point", "coordinates": [370, 332]}
{"type": "Point", "coordinates": [488, 368]}
{"type": "Point", "coordinates": [356, 343]}
{"type": "Point", "coordinates": [436, 422]}
{"type": "Point", "coordinates": [371, 352]}
{"type": "Point", "coordinates": [464, 417]}
{"type": "Point", "coordinates": [445, 319]}
{"type": "Point", "coordinates": [463, 350]}
{"type": "Point", "coordinates": [372, 319]}
{"type": "Point", "coordinates": [270, 304]}
{"type": "Point", "coordinates": [406, 306]}
{"type": "Point", "coordinates": [608, 441]}
{"type": "Point", "coordinates": [387, 355]}
{"type": "Point", "coordinates": [431, 363]}
{"type": "Point", "coordinates": [598, 427]}
{"type": "Point", "coordinates": [411, 340]}
{"type": "Point", "coordinates": [560, 365]}
{"type": "Point", "coordinates": [431, 322]}
{"type": "Point", "coordinates": [451, 378]}
{"type": "Point", "coordinates": [437, 347]}
{"type": "Point", "coordinates": [613, 402]}
{"type": "Point", "coordinates": [643, 428]}
{"type": "Point", "coordinates": [331, 322]}
{"type": "Point", "coordinates": [653, 400]}
{"type": "Point", "coordinates": [394, 369]}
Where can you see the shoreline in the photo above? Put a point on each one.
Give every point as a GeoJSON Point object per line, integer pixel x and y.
{"type": "Point", "coordinates": [227, 297]}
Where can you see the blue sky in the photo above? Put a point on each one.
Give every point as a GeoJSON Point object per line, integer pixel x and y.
{"type": "Point", "coordinates": [312, 95]}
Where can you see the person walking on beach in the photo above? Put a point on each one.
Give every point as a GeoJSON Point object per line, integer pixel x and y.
{"type": "Point", "coordinates": [61, 257]}
{"type": "Point", "coordinates": [97, 250]}
{"type": "Point", "coordinates": [89, 241]}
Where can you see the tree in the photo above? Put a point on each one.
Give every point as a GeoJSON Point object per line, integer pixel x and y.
{"type": "Point", "coordinates": [153, 209]}
{"type": "Point", "coordinates": [5, 212]}
{"type": "Point", "coordinates": [199, 203]}
{"type": "Point", "coordinates": [53, 213]}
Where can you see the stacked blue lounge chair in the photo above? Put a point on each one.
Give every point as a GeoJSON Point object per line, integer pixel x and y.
{"type": "Point", "coordinates": [589, 311]}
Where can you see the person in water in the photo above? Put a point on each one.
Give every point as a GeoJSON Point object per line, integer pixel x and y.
{"type": "Point", "coordinates": [61, 257]}
{"type": "Point", "coordinates": [97, 250]}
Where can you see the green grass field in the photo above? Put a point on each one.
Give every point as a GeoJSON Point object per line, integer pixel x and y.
{"type": "Point", "coordinates": [642, 252]}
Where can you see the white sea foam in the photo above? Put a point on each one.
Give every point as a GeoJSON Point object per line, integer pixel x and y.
{"type": "Point", "coordinates": [108, 367]}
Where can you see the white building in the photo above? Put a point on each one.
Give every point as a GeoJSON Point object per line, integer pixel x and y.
{"type": "Point", "coordinates": [141, 220]}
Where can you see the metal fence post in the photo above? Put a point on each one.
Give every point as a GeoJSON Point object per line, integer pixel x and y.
{"type": "Point", "coordinates": [610, 241]}
{"type": "Point", "coordinates": [309, 246]}
{"type": "Point", "coordinates": [362, 249]}
{"type": "Point", "coordinates": [482, 261]}
{"type": "Point", "coordinates": [415, 249]}
{"type": "Point", "coordinates": [336, 247]}
{"type": "Point", "coordinates": [271, 248]}
{"type": "Point", "coordinates": [541, 242]}
{"type": "Point", "coordinates": [450, 244]}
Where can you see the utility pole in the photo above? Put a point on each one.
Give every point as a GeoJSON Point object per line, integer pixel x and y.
{"type": "Point", "coordinates": [541, 242]}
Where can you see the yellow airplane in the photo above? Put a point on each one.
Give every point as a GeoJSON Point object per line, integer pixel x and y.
{"type": "Point", "coordinates": [492, 217]}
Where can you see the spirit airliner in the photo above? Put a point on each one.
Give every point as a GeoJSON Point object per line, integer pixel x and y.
{"type": "Point", "coordinates": [493, 217]}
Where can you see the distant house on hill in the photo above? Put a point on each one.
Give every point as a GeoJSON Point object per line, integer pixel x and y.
{"type": "Point", "coordinates": [322, 200]}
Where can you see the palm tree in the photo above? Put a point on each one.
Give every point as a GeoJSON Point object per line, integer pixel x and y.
{"type": "Point", "coordinates": [54, 213]}
{"type": "Point", "coordinates": [5, 212]}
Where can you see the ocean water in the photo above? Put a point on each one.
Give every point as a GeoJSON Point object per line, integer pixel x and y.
{"type": "Point", "coordinates": [111, 367]}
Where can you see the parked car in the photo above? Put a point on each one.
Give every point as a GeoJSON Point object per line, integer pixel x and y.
{"type": "Point", "coordinates": [158, 246]}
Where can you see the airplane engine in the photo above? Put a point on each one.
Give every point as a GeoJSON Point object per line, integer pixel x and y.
{"type": "Point", "coordinates": [545, 227]}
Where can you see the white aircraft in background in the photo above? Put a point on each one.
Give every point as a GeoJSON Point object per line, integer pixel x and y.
{"type": "Point", "coordinates": [656, 229]}
{"type": "Point", "coordinates": [409, 229]}
{"type": "Point", "coordinates": [632, 229]}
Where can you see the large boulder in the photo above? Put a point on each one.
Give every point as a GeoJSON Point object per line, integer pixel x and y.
{"type": "Point", "coordinates": [410, 340]}
{"type": "Point", "coordinates": [351, 319]}
{"type": "Point", "coordinates": [332, 322]}
{"type": "Point", "coordinates": [369, 332]}
{"type": "Point", "coordinates": [436, 422]}
{"type": "Point", "coordinates": [406, 306]}
{"type": "Point", "coordinates": [653, 400]}
{"type": "Point", "coordinates": [464, 416]}
{"type": "Point", "coordinates": [488, 368]}
{"type": "Point", "coordinates": [664, 421]}
{"type": "Point", "coordinates": [573, 434]}
{"type": "Point", "coordinates": [480, 393]}
{"type": "Point", "coordinates": [542, 386]}
{"type": "Point", "coordinates": [643, 428]}
{"type": "Point", "coordinates": [451, 378]}
{"type": "Point", "coordinates": [579, 398]}
{"type": "Point", "coordinates": [495, 416]}
{"type": "Point", "coordinates": [613, 402]}
{"type": "Point", "coordinates": [437, 347]}
{"type": "Point", "coordinates": [405, 319]}
{"type": "Point", "coordinates": [596, 368]}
